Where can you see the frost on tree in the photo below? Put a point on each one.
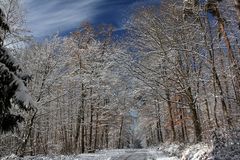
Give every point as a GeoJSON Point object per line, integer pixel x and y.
{"type": "Point", "coordinates": [189, 6]}
{"type": "Point", "coordinates": [13, 91]}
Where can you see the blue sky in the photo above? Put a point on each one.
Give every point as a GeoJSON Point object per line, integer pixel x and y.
{"type": "Point", "coordinates": [45, 17]}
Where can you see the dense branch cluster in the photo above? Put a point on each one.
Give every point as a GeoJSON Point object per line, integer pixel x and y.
{"type": "Point", "coordinates": [190, 69]}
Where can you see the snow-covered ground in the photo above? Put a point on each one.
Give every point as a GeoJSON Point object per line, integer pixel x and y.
{"type": "Point", "coordinates": [198, 151]}
{"type": "Point", "coordinates": [136, 154]}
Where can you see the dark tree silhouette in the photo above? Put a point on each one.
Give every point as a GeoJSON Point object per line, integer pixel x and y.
{"type": "Point", "coordinates": [13, 91]}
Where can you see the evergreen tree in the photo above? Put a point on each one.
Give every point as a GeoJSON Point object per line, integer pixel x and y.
{"type": "Point", "coordinates": [13, 91]}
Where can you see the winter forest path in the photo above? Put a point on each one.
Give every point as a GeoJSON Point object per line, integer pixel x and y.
{"type": "Point", "coordinates": [116, 154]}
{"type": "Point", "coordinates": [143, 154]}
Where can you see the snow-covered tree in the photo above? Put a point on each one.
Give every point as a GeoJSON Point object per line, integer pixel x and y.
{"type": "Point", "coordinates": [13, 92]}
{"type": "Point", "coordinates": [15, 18]}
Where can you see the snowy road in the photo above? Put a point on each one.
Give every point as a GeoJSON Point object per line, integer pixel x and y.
{"type": "Point", "coordinates": [143, 154]}
{"type": "Point", "coordinates": [123, 154]}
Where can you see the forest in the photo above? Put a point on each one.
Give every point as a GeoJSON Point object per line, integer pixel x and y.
{"type": "Point", "coordinates": [172, 76]}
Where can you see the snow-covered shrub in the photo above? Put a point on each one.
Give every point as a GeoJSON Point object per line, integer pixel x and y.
{"type": "Point", "coordinates": [173, 149]}
{"type": "Point", "coordinates": [196, 152]}
{"type": "Point", "coordinates": [11, 157]}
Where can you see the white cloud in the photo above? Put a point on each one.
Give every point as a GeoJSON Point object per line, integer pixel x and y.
{"type": "Point", "coordinates": [48, 16]}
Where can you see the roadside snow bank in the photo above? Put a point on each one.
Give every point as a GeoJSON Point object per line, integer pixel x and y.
{"type": "Point", "coordinates": [173, 149]}
{"type": "Point", "coordinates": [199, 151]}
{"type": "Point", "coordinates": [196, 152]}
{"type": "Point", "coordinates": [11, 157]}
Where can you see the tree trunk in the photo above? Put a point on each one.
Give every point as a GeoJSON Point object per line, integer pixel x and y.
{"type": "Point", "coordinates": [120, 133]}
{"type": "Point", "coordinates": [171, 116]}
{"type": "Point", "coordinates": [196, 121]}
{"type": "Point", "coordinates": [106, 137]}
{"type": "Point", "coordinates": [231, 57]}
{"type": "Point", "coordinates": [77, 130]}
{"type": "Point", "coordinates": [96, 131]}
{"type": "Point", "coordinates": [91, 122]}
{"type": "Point", "coordinates": [82, 122]}
{"type": "Point", "coordinates": [212, 59]}
{"type": "Point", "coordinates": [159, 126]}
